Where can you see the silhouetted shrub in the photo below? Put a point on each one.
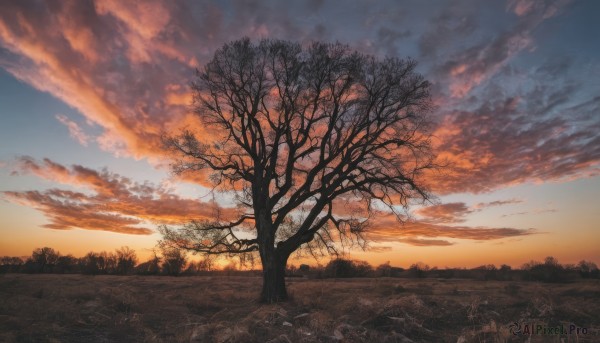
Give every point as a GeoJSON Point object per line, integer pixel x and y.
{"type": "Point", "coordinates": [10, 264]}
{"type": "Point", "coordinates": [90, 263]}
{"type": "Point", "coordinates": [342, 268]}
{"type": "Point", "coordinates": [150, 267]}
{"type": "Point", "coordinates": [206, 263]}
{"type": "Point", "coordinates": [67, 264]}
{"type": "Point", "coordinates": [42, 260]}
{"type": "Point", "coordinates": [363, 269]}
{"type": "Point", "coordinates": [98, 263]}
{"type": "Point", "coordinates": [549, 271]}
{"type": "Point", "coordinates": [304, 269]}
{"type": "Point", "coordinates": [174, 261]}
{"type": "Point", "coordinates": [486, 272]}
{"type": "Point", "coordinates": [292, 271]}
{"type": "Point", "coordinates": [418, 270]}
{"type": "Point", "coordinates": [384, 270]}
{"type": "Point", "coordinates": [339, 268]}
{"type": "Point", "coordinates": [504, 273]}
{"type": "Point", "coordinates": [126, 260]}
{"type": "Point", "coordinates": [588, 270]}
{"type": "Point", "coordinates": [446, 273]}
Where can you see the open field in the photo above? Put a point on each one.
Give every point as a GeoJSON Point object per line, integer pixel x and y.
{"type": "Point", "coordinates": [78, 308]}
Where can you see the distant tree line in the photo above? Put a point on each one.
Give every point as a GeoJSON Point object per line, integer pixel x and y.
{"type": "Point", "coordinates": [547, 271]}
{"type": "Point", "coordinates": [123, 261]}
{"type": "Point", "coordinates": [169, 261]}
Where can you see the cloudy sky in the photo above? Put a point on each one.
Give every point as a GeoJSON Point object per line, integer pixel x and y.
{"type": "Point", "coordinates": [86, 87]}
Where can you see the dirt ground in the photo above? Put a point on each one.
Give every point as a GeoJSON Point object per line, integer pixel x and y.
{"type": "Point", "coordinates": [79, 308]}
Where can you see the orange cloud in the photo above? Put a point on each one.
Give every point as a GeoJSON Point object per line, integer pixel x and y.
{"type": "Point", "coordinates": [498, 203]}
{"type": "Point", "coordinates": [67, 211]}
{"type": "Point", "coordinates": [445, 213]}
{"type": "Point", "coordinates": [386, 228]}
{"type": "Point", "coordinates": [455, 212]}
{"type": "Point", "coordinates": [425, 242]}
{"type": "Point", "coordinates": [117, 203]}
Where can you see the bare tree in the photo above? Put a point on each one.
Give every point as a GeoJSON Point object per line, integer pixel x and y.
{"type": "Point", "coordinates": [174, 260]}
{"type": "Point", "coordinates": [302, 136]}
{"type": "Point", "coordinates": [150, 267]}
{"type": "Point", "coordinates": [206, 263]}
{"type": "Point", "coordinates": [126, 260]}
{"type": "Point", "coordinates": [44, 259]}
{"type": "Point", "coordinates": [98, 263]}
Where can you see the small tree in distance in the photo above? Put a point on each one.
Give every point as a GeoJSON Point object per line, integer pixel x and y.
{"type": "Point", "coordinates": [150, 267]}
{"type": "Point", "coordinates": [384, 269]}
{"type": "Point", "coordinates": [174, 261]}
{"type": "Point", "coordinates": [126, 260]}
{"type": "Point", "coordinates": [66, 264]}
{"type": "Point", "coordinates": [343, 268]}
{"type": "Point", "coordinates": [419, 269]}
{"type": "Point", "coordinates": [206, 263]}
{"type": "Point", "coordinates": [44, 259]}
{"type": "Point", "coordinates": [587, 269]}
{"type": "Point", "coordinates": [300, 135]}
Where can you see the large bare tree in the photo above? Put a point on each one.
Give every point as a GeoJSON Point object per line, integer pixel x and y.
{"type": "Point", "coordinates": [298, 135]}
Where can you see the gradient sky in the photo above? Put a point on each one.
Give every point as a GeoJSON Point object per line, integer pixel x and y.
{"type": "Point", "coordinates": [87, 86]}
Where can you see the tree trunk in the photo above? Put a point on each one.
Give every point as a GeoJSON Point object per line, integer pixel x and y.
{"type": "Point", "coordinates": [273, 279]}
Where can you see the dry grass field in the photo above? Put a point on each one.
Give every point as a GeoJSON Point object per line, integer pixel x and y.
{"type": "Point", "coordinates": [78, 308]}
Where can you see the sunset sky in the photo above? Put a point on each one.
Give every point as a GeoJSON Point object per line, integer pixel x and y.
{"type": "Point", "coordinates": [86, 87]}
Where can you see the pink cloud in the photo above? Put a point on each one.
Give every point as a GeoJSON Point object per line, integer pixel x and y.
{"type": "Point", "coordinates": [498, 203]}
{"type": "Point", "coordinates": [472, 66]}
{"type": "Point", "coordinates": [501, 144]}
{"type": "Point", "coordinates": [479, 64]}
{"type": "Point", "coordinates": [148, 19]}
{"type": "Point", "coordinates": [455, 212]}
{"type": "Point", "coordinates": [521, 7]}
{"type": "Point", "coordinates": [74, 130]}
